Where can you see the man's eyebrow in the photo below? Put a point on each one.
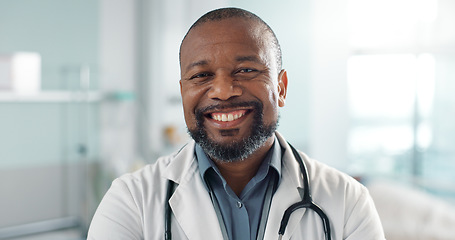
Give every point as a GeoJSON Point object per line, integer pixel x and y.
{"type": "Point", "coordinates": [248, 59]}
{"type": "Point", "coordinates": [198, 63]}
{"type": "Point", "coordinates": [238, 59]}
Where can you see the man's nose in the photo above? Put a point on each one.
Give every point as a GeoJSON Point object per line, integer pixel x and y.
{"type": "Point", "coordinates": [224, 88]}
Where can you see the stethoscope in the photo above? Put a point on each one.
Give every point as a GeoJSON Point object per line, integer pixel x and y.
{"type": "Point", "coordinates": [307, 202]}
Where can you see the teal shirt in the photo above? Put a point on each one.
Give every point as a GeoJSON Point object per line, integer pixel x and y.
{"type": "Point", "coordinates": [242, 214]}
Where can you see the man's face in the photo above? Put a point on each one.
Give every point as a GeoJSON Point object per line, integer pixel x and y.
{"type": "Point", "coordinates": [230, 87]}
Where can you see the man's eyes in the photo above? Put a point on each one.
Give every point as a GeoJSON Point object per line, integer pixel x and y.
{"type": "Point", "coordinates": [239, 72]}
{"type": "Point", "coordinates": [246, 70]}
{"type": "Point", "coordinates": [201, 75]}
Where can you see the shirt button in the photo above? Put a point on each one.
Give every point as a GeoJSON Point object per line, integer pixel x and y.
{"type": "Point", "coordinates": [239, 204]}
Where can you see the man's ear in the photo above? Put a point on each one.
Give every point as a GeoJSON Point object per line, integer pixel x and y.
{"type": "Point", "coordinates": [282, 87]}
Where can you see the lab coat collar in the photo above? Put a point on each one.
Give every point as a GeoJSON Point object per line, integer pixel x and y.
{"type": "Point", "coordinates": [286, 195]}
{"type": "Point", "coordinates": [190, 203]}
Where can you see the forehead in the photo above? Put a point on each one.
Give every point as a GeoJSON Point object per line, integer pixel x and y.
{"type": "Point", "coordinates": [219, 35]}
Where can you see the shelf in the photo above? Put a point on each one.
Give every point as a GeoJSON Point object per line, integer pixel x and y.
{"type": "Point", "coordinates": [51, 97]}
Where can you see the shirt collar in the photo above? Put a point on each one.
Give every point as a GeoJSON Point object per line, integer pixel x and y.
{"type": "Point", "coordinates": [273, 157]}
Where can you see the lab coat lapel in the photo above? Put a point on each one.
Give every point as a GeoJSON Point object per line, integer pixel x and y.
{"type": "Point", "coordinates": [286, 195]}
{"type": "Point", "coordinates": [190, 203]}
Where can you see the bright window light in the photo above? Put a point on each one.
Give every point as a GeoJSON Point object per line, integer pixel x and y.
{"type": "Point", "coordinates": [425, 83]}
{"type": "Point", "coordinates": [26, 73]}
{"type": "Point", "coordinates": [379, 140]}
{"type": "Point", "coordinates": [427, 10]}
{"type": "Point", "coordinates": [382, 86]}
{"type": "Point", "coordinates": [385, 93]}
{"type": "Point", "coordinates": [388, 23]}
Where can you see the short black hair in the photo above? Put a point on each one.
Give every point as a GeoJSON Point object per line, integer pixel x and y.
{"type": "Point", "coordinates": [231, 12]}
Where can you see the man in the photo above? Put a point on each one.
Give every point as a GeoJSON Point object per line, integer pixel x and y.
{"type": "Point", "coordinates": [238, 176]}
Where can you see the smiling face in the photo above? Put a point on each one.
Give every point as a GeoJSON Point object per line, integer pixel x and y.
{"type": "Point", "coordinates": [231, 88]}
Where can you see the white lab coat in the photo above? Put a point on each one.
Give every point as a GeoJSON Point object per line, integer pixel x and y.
{"type": "Point", "coordinates": [133, 208]}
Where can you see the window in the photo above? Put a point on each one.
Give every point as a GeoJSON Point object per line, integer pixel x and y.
{"type": "Point", "coordinates": [400, 84]}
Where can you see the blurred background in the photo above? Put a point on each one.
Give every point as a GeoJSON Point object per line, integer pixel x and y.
{"type": "Point", "coordinates": [89, 91]}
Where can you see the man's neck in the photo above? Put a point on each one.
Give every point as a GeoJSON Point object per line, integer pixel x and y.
{"type": "Point", "coordinates": [238, 174]}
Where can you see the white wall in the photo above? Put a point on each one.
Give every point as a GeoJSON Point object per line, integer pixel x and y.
{"type": "Point", "coordinates": [329, 116]}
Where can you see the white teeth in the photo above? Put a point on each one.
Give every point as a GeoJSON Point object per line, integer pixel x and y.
{"type": "Point", "coordinates": [227, 117]}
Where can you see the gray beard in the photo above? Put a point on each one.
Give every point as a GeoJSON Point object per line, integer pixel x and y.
{"type": "Point", "coordinates": [234, 151]}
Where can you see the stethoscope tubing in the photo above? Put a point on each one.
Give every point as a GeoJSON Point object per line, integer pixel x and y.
{"type": "Point", "coordinates": [168, 211]}
{"type": "Point", "coordinates": [307, 201]}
